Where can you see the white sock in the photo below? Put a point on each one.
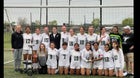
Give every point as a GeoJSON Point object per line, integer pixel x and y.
{"type": "Point", "coordinates": [24, 64]}
{"type": "Point", "coordinates": [29, 65]}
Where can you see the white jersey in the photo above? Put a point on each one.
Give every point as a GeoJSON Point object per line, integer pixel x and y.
{"type": "Point", "coordinates": [52, 57]}
{"type": "Point", "coordinates": [75, 59]}
{"type": "Point", "coordinates": [98, 54]}
{"type": "Point", "coordinates": [46, 40]}
{"type": "Point", "coordinates": [36, 41]}
{"type": "Point", "coordinates": [86, 55]}
{"type": "Point", "coordinates": [64, 38]}
{"type": "Point", "coordinates": [118, 58]}
{"type": "Point", "coordinates": [64, 57]}
{"type": "Point", "coordinates": [82, 39]}
{"type": "Point", "coordinates": [71, 41]}
{"type": "Point", "coordinates": [103, 41]}
{"type": "Point", "coordinates": [27, 41]}
{"type": "Point", "coordinates": [108, 59]}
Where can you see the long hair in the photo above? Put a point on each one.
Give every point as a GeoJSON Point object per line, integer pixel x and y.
{"type": "Point", "coordinates": [90, 45]}
{"type": "Point", "coordinates": [118, 46]}
{"type": "Point", "coordinates": [101, 28]}
{"type": "Point", "coordinates": [29, 28]}
{"type": "Point", "coordinates": [78, 46]}
{"type": "Point", "coordinates": [44, 48]}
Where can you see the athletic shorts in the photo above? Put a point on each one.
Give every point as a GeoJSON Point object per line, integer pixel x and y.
{"type": "Point", "coordinates": [87, 66]}
{"type": "Point", "coordinates": [63, 65]}
{"type": "Point", "coordinates": [27, 51]}
{"type": "Point", "coordinates": [52, 66]}
{"type": "Point", "coordinates": [97, 66]}
{"type": "Point", "coordinates": [118, 69]}
{"type": "Point", "coordinates": [75, 66]}
{"type": "Point", "coordinates": [110, 68]}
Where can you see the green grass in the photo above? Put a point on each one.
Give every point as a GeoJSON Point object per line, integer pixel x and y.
{"type": "Point", "coordinates": [7, 40]}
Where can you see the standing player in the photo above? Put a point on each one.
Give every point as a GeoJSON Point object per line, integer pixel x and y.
{"type": "Point", "coordinates": [37, 38]}
{"type": "Point", "coordinates": [75, 60]}
{"type": "Point", "coordinates": [52, 59]}
{"type": "Point", "coordinates": [81, 37]}
{"type": "Point", "coordinates": [116, 36]}
{"type": "Point", "coordinates": [72, 39]}
{"type": "Point", "coordinates": [108, 61]}
{"type": "Point", "coordinates": [118, 59]}
{"type": "Point", "coordinates": [45, 37]}
{"type": "Point", "coordinates": [98, 60]}
{"type": "Point", "coordinates": [64, 35]}
{"type": "Point", "coordinates": [27, 51]}
{"type": "Point", "coordinates": [91, 37]}
{"type": "Point", "coordinates": [64, 58]}
{"type": "Point", "coordinates": [103, 38]}
{"type": "Point", "coordinates": [86, 55]}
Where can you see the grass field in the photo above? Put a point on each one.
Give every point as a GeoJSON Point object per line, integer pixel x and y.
{"type": "Point", "coordinates": [10, 73]}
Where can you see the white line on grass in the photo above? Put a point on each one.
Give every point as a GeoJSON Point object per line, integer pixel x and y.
{"type": "Point", "coordinates": [8, 62]}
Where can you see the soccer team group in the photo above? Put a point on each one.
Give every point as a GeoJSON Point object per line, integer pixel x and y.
{"type": "Point", "coordinates": [71, 53]}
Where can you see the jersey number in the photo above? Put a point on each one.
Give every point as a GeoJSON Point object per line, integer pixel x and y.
{"type": "Point", "coordinates": [106, 59]}
{"type": "Point", "coordinates": [115, 57]}
{"type": "Point", "coordinates": [27, 41]}
{"type": "Point", "coordinates": [82, 42]}
{"type": "Point", "coordinates": [91, 42]}
{"type": "Point", "coordinates": [37, 41]}
{"type": "Point", "coordinates": [64, 55]}
{"type": "Point", "coordinates": [75, 58]}
{"type": "Point", "coordinates": [102, 42]}
{"type": "Point", "coordinates": [45, 39]}
{"type": "Point", "coordinates": [71, 43]}
{"type": "Point", "coordinates": [50, 56]}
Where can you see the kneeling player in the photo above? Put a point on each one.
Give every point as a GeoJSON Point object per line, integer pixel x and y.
{"type": "Point", "coordinates": [75, 60]}
{"type": "Point", "coordinates": [98, 60]}
{"type": "Point", "coordinates": [86, 60]}
{"type": "Point", "coordinates": [52, 59]}
{"type": "Point", "coordinates": [108, 61]}
{"type": "Point", "coordinates": [42, 59]}
{"type": "Point", "coordinates": [118, 59]}
{"type": "Point", "coordinates": [64, 57]}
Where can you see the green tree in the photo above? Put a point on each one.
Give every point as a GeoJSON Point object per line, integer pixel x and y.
{"type": "Point", "coordinates": [96, 23]}
{"type": "Point", "coordinates": [127, 21]}
{"type": "Point", "coordinates": [54, 22]}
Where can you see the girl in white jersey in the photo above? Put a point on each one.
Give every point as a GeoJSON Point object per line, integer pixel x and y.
{"type": "Point", "coordinates": [103, 38]}
{"type": "Point", "coordinates": [98, 60]}
{"type": "Point", "coordinates": [86, 55]}
{"type": "Point", "coordinates": [118, 59]}
{"type": "Point", "coordinates": [75, 60]}
{"type": "Point", "coordinates": [64, 35]}
{"type": "Point", "coordinates": [82, 38]}
{"type": "Point", "coordinates": [27, 51]}
{"type": "Point", "coordinates": [52, 58]}
{"type": "Point", "coordinates": [72, 39]}
{"type": "Point", "coordinates": [37, 37]}
{"type": "Point", "coordinates": [45, 37]}
{"type": "Point", "coordinates": [108, 61]}
{"type": "Point", "coordinates": [91, 37]}
{"type": "Point", "coordinates": [64, 59]}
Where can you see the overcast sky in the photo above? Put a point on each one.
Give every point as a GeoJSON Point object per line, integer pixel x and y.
{"type": "Point", "coordinates": [110, 15]}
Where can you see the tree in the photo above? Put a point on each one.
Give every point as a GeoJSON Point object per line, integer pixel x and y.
{"type": "Point", "coordinates": [54, 22]}
{"type": "Point", "coordinates": [96, 23]}
{"type": "Point", "coordinates": [127, 21]}
{"type": "Point", "coordinates": [22, 21]}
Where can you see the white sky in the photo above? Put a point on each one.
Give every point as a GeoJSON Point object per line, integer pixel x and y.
{"type": "Point", "coordinates": [110, 15]}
